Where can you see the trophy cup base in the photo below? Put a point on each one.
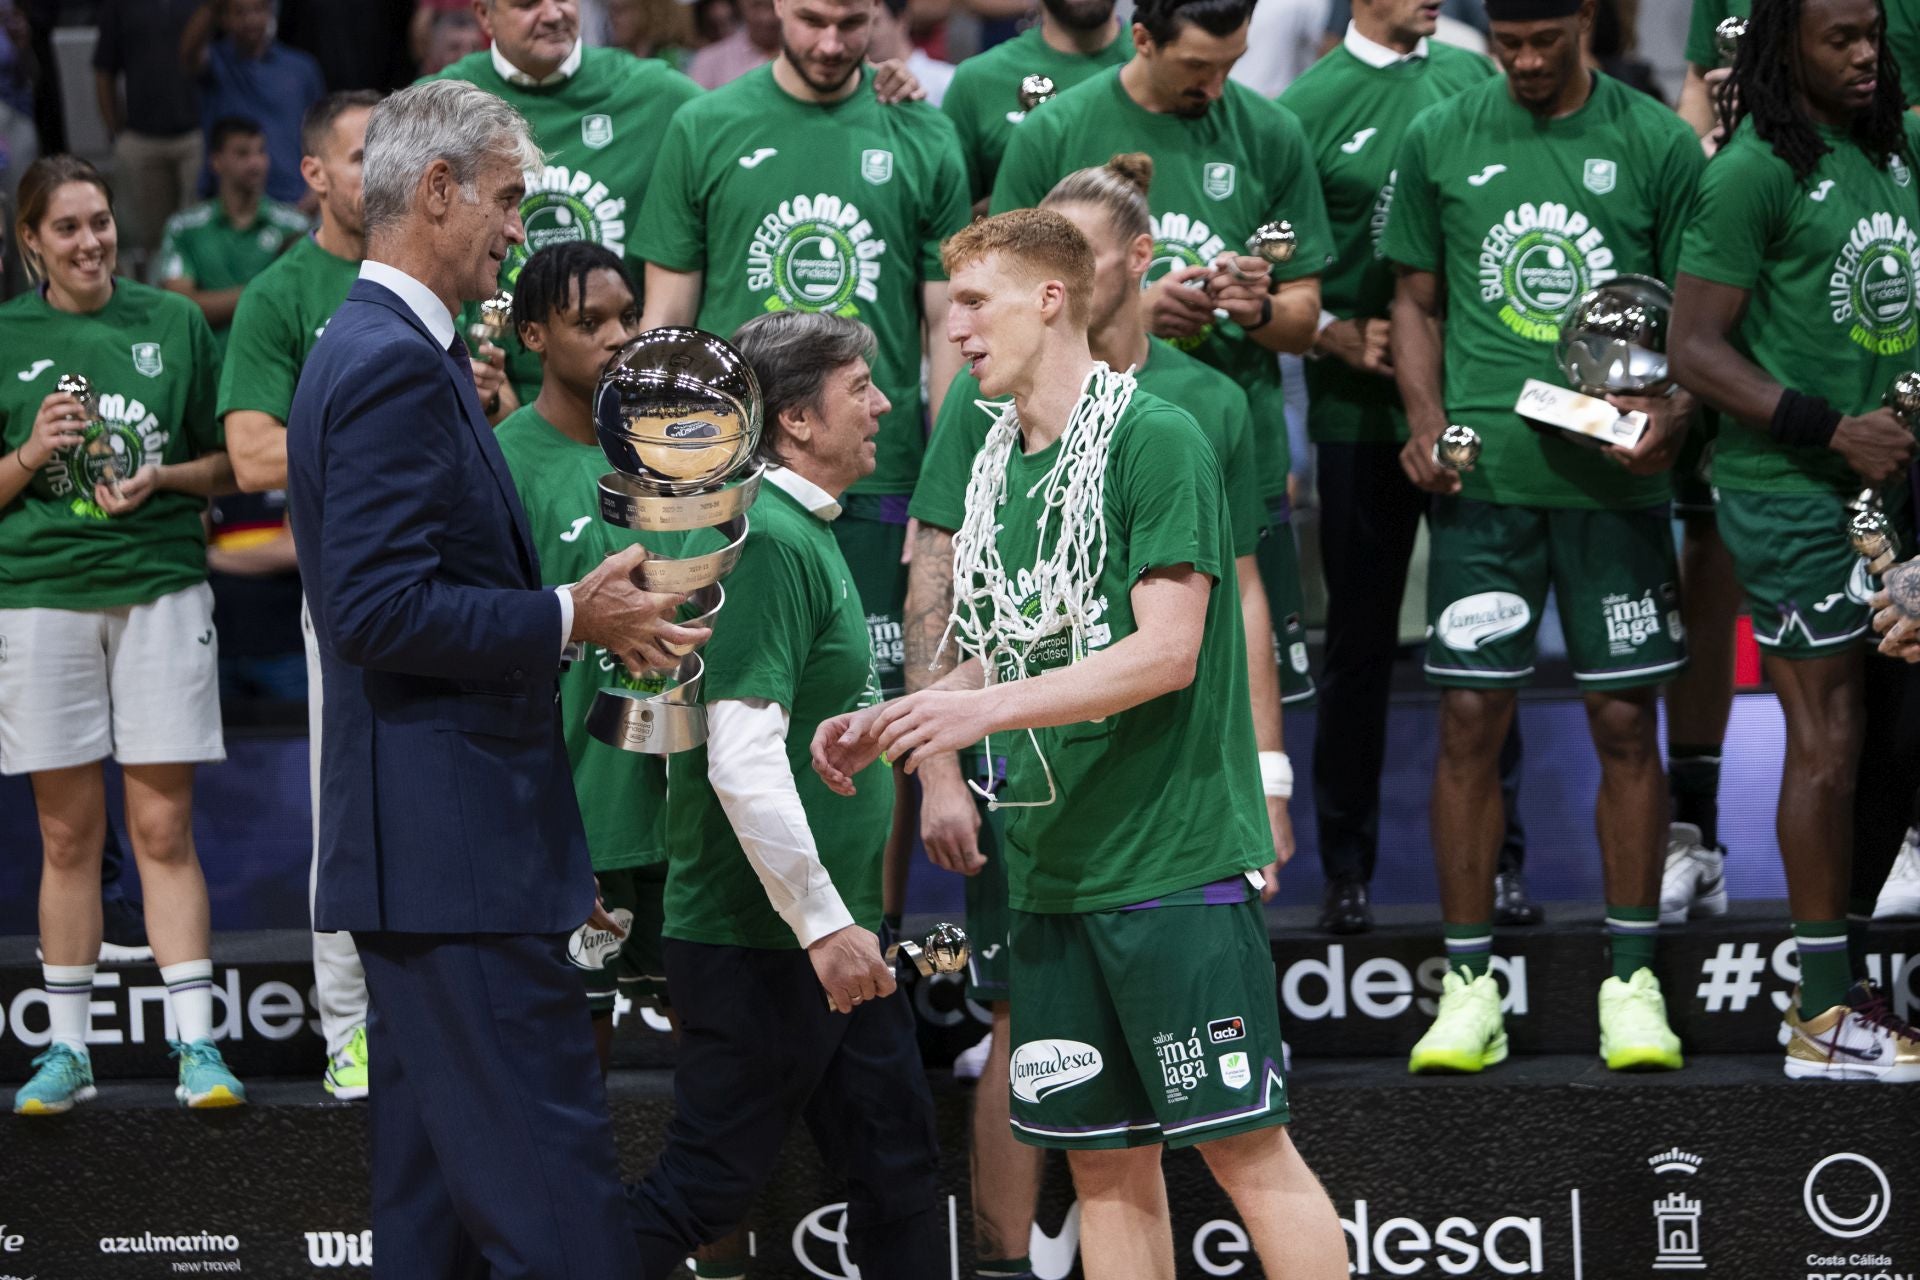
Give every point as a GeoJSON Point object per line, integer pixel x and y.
{"type": "Point", "coordinates": [633, 504]}
{"type": "Point", "coordinates": [1583, 418]}
{"type": "Point", "coordinates": [653, 724]}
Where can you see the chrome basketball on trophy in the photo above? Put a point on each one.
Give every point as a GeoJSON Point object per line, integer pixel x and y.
{"type": "Point", "coordinates": [496, 317]}
{"type": "Point", "coordinates": [1457, 449]}
{"type": "Point", "coordinates": [1035, 90]}
{"type": "Point", "coordinates": [1274, 242]}
{"type": "Point", "coordinates": [1727, 37]}
{"type": "Point", "coordinates": [1613, 342]}
{"type": "Point", "coordinates": [678, 413]}
{"type": "Point", "coordinates": [1869, 528]}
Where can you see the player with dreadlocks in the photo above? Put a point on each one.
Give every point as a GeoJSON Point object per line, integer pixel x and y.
{"type": "Point", "coordinates": [1794, 312]}
{"type": "Point", "coordinates": [1086, 569]}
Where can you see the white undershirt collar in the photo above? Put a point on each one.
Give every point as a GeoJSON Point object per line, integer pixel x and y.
{"type": "Point", "coordinates": [422, 301]}
{"type": "Point", "coordinates": [520, 79]}
{"type": "Point", "coordinates": [805, 492]}
{"type": "Point", "coordinates": [1374, 54]}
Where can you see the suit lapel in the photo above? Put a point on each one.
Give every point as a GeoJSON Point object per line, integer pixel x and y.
{"type": "Point", "coordinates": [476, 421]}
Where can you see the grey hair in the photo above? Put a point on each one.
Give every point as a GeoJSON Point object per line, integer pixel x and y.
{"type": "Point", "coordinates": [792, 354]}
{"type": "Point", "coordinates": [440, 120]}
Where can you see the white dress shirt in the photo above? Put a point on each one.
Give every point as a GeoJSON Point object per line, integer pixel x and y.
{"type": "Point", "coordinates": [1379, 56]}
{"type": "Point", "coordinates": [426, 305]}
{"type": "Point", "coordinates": [515, 76]}
{"type": "Point", "coordinates": [748, 770]}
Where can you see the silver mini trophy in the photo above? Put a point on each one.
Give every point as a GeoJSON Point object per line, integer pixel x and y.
{"type": "Point", "coordinates": [496, 317]}
{"type": "Point", "coordinates": [678, 413]}
{"type": "Point", "coordinates": [1457, 449]}
{"type": "Point", "coordinates": [1613, 342]}
{"type": "Point", "coordinates": [1274, 242]}
{"type": "Point", "coordinates": [100, 460]}
{"type": "Point", "coordinates": [1869, 528]}
{"type": "Point", "coordinates": [943, 950]}
{"type": "Point", "coordinates": [1034, 90]}
{"type": "Point", "coordinates": [1727, 37]}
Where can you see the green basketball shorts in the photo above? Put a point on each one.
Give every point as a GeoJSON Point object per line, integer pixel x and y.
{"type": "Point", "coordinates": [990, 963]}
{"type": "Point", "coordinates": [1153, 1025]}
{"type": "Point", "coordinates": [1613, 573]}
{"type": "Point", "coordinates": [1806, 588]}
{"type": "Point", "coordinates": [1693, 469]}
{"type": "Point", "coordinates": [1279, 561]}
{"type": "Point", "coordinates": [635, 969]}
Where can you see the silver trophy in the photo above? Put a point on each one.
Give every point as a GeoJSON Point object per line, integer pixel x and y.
{"type": "Point", "coordinates": [1457, 449]}
{"type": "Point", "coordinates": [1035, 90]}
{"type": "Point", "coordinates": [496, 317]}
{"type": "Point", "coordinates": [101, 460]}
{"type": "Point", "coordinates": [1613, 342]}
{"type": "Point", "coordinates": [943, 950]}
{"type": "Point", "coordinates": [678, 413]}
{"type": "Point", "coordinates": [1274, 242]}
{"type": "Point", "coordinates": [1727, 37]}
{"type": "Point", "coordinates": [1869, 528]}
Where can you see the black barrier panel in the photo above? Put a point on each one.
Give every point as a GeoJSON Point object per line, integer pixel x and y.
{"type": "Point", "coordinates": [1543, 1168]}
{"type": "Point", "coordinates": [1726, 982]}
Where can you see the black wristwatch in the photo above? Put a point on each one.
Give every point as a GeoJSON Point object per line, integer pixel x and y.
{"type": "Point", "coordinates": [1266, 312]}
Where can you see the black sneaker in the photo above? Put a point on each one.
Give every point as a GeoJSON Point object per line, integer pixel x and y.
{"type": "Point", "coordinates": [1511, 905]}
{"type": "Point", "coordinates": [123, 933]}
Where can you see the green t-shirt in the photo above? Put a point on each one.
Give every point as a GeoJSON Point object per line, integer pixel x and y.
{"type": "Point", "coordinates": [601, 130]}
{"type": "Point", "coordinates": [1355, 116]}
{"type": "Point", "coordinates": [280, 317]}
{"type": "Point", "coordinates": [1903, 36]}
{"type": "Point", "coordinates": [794, 633]}
{"type": "Point", "coordinates": [201, 244]}
{"type": "Point", "coordinates": [153, 365]}
{"type": "Point", "coordinates": [1219, 407]}
{"type": "Point", "coordinates": [800, 206]}
{"type": "Point", "coordinates": [1215, 180]}
{"type": "Point", "coordinates": [984, 99]}
{"type": "Point", "coordinates": [1829, 267]}
{"type": "Point", "coordinates": [1165, 795]}
{"type": "Point", "coordinates": [1520, 217]}
{"type": "Point", "coordinates": [623, 795]}
{"type": "Point", "coordinates": [1708, 14]}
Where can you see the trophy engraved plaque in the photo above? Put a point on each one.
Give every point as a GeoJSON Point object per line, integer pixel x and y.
{"type": "Point", "coordinates": [1613, 342]}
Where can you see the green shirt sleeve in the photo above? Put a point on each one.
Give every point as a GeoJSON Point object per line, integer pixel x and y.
{"type": "Point", "coordinates": [204, 429]}
{"type": "Point", "coordinates": [761, 653]}
{"type": "Point", "coordinates": [171, 263]}
{"type": "Point", "coordinates": [673, 217]}
{"type": "Point", "coordinates": [1412, 237]}
{"type": "Point", "coordinates": [263, 358]}
{"type": "Point", "coordinates": [1736, 214]}
{"type": "Point", "coordinates": [940, 494]}
{"type": "Point", "coordinates": [1027, 171]}
{"type": "Point", "coordinates": [1700, 48]}
{"type": "Point", "coordinates": [948, 210]}
{"type": "Point", "coordinates": [1297, 197]}
{"type": "Point", "coordinates": [959, 107]}
{"type": "Point", "coordinates": [1172, 496]}
{"type": "Point", "coordinates": [1680, 169]}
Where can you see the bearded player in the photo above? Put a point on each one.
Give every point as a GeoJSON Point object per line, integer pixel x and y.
{"type": "Point", "coordinates": [1795, 312]}
{"type": "Point", "coordinates": [1513, 199]}
{"type": "Point", "coordinates": [1094, 536]}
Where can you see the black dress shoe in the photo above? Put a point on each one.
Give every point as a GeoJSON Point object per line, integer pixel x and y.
{"type": "Point", "coordinates": [1345, 908]}
{"type": "Point", "coordinates": [1511, 905]}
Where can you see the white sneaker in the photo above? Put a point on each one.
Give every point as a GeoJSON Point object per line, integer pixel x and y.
{"type": "Point", "coordinates": [1694, 882]}
{"type": "Point", "coordinates": [1900, 895]}
{"type": "Point", "coordinates": [972, 1061]}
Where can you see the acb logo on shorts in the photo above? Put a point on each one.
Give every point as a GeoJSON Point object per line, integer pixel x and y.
{"type": "Point", "coordinates": [1224, 1030]}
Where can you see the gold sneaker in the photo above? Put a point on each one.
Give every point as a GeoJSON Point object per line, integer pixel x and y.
{"type": "Point", "coordinates": [1860, 1040]}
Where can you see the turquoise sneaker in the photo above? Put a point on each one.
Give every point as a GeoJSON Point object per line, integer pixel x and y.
{"type": "Point", "coordinates": [205, 1081]}
{"type": "Point", "coordinates": [1468, 1034]}
{"type": "Point", "coordinates": [64, 1078]}
{"type": "Point", "coordinates": [347, 1069]}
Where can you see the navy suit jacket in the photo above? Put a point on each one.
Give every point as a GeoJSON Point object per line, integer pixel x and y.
{"type": "Point", "coordinates": [446, 802]}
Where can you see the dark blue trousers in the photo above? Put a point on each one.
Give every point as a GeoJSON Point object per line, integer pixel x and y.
{"type": "Point", "coordinates": [759, 1050]}
{"type": "Point", "coordinates": [491, 1145]}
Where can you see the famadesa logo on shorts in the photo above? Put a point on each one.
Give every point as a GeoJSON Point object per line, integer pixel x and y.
{"type": "Point", "coordinates": [1537, 261]}
{"type": "Point", "coordinates": [1871, 289]}
{"type": "Point", "coordinates": [816, 253]}
{"type": "Point", "coordinates": [1043, 1067]}
{"type": "Point", "coordinates": [1474, 621]}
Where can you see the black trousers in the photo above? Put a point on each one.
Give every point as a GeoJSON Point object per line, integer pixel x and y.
{"type": "Point", "coordinates": [1369, 517]}
{"type": "Point", "coordinates": [759, 1050]}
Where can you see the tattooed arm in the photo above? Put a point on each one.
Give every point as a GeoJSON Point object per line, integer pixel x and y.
{"type": "Point", "coordinates": [1897, 612]}
{"type": "Point", "coordinates": [949, 823]}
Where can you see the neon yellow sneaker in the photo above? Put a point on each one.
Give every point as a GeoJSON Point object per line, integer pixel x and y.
{"type": "Point", "coordinates": [1467, 1034]}
{"type": "Point", "coordinates": [347, 1069]}
{"type": "Point", "coordinates": [1634, 1035]}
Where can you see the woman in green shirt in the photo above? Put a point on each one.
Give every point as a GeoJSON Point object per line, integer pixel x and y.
{"type": "Point", "coordinates": [106, 623]}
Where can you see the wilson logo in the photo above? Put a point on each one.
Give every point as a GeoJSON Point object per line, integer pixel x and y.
{"type": "Point", "coordinates": [340, 1248]}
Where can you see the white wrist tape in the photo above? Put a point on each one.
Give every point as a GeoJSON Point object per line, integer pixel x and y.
{"type": "Point", "coordinates": [1276, 774]}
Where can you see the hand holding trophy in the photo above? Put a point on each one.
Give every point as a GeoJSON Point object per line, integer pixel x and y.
{"type": "Point", "coordinates": [1869, 528]}
{"type": "Point", "coordinates": [678, 413]}
{"type": "Point", "coordinates": [1613, 342]}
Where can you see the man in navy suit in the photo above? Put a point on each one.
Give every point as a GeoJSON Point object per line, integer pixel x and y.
{"type": "Point", "coordinates": [450, 840]}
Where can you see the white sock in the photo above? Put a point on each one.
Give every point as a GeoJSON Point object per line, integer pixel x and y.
{"type": "Point", "coordinates": [69, 987]}
{"type": "Point", "coordinates": [190, 996]}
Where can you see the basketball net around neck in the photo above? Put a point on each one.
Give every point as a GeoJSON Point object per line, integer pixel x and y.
{"type": "Point", "coordinates": [987, 620]}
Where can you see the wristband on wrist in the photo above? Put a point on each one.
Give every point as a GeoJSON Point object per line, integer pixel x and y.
{"type": "Point", "coordinates": [1276, 774]}
{"type": "Point", "coordinates": [1806, 422]}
